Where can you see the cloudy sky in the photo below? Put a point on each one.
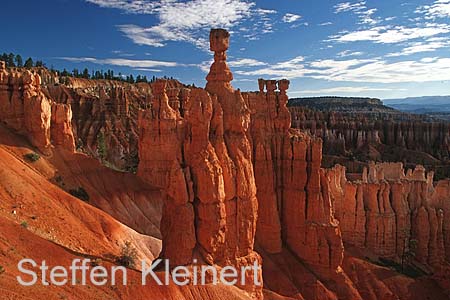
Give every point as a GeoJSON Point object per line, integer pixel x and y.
{"type": "Point", "coordinates": [377, 48]}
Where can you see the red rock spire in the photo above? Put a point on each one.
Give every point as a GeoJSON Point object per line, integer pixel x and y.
{"type": "Point", "coordinates": [219, 74]}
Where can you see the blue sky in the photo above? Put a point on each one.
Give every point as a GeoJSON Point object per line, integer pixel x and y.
{"type": "Point", "coordinates": [376, 48]}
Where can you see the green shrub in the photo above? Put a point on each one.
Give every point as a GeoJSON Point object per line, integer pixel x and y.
{"type": "Point", "coordinates": [80, 193]}
{"type": "Point", "coordinates": [24, 224]}
{"type": "Point", "coordinates": [128, 256]}
{"type": "Point", "coordinates": [101, 146]}
{"type": "Point", "coordinates": [32, 157]}
{"type": "Point", "coordinates": [2, 270]}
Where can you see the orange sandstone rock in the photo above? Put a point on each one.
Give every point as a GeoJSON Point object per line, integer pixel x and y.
{"type": "Point", "coordinates": [397, 209]}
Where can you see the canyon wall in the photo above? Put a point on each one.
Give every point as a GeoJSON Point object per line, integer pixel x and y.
{"type": "Point", "coordinates": [293, 194]}
{"type": "Point", "coordinates": [105, 114]}
{"type": "Point", "coordinates": [27, 110]}
{"type": "Point", "coordinates": [392, 213]}
{"type": "Point", "coordinates": [377, 136]}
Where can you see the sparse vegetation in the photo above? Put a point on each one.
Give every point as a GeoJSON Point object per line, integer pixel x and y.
{"type": "Point", "coordinates": [2, 270]}
{"type": "Point", "coordinates": [101, 146]}
{"type": "Point", "coordinates": [15, 60]}
{"type": "Point", "coordinates": [132, 163]}
{"type": "Point", "coordinates": [24, 224]}
{"type": "Point", "coordinates": [32, 157]}
{"type": "Point", "coordinates": [96, 262]}
{"type": "Point", "coordinates": [128, 256]}
{"type": "Point", "coordinates": [409, 252]}
{"type": "Point", "coordinates": [80, 193]}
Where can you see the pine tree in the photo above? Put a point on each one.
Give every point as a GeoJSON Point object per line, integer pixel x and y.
{"type": "Point", "coordinates": [65, 73]}
{"type": "Point", "coordinates": [85, 73]}
{"type": "Point", "coordinates": [4, 57]}
{"type": "Point", "coordinates": [19, 61]}
{"type": "Point", "coordinates": [28, 63]}
{"type": "Point", "coordinates": [10, 61]}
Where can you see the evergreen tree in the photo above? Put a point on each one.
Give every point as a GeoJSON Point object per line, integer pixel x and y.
{"type": "Point", "coordinates": [4, 57]}
{"type": "Point", "coordinates": [65, 73]}
{"type": "Point", "coordinates": [28, 63]}
{"type": "Point", "coordinates": [19, 61]}
{"type": "Point", "coordinates": [75, 73]}
{"type": "Point", "coordinates": [85, 73]}
{"type": "Point", "coordinates": [39, 63]}
{"type": "Point", "coordinates": [10, 61]}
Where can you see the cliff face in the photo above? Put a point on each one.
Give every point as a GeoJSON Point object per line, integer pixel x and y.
{"type": "Point", "coordinates": [354, 104]}
{"type": "Point", "coordinates": [105, 114]}
{"type": "Point", "coordinates": [387, 211]}
{"type": "Point", "coordinates": [26, 109]}
{"type": "Point", "coordinates": [349, 136]}
{"type": "Point", "coordinates": [294, 203]}
{"type": "Point", "coordinates": [201, 157]}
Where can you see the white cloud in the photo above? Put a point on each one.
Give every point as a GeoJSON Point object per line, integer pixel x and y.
{"type": "Point", "coordinates": [288, 69]}
{"type": "Point", "coordinates": [360, 9]}
{"type": "Point", "coordinates": [439, 9]}
{"type": "Point", "coordinates": [289, 18]}
{"type": "Point", "coordinates": [123, 62]}
{"type": "Point", "coordinates": [188, 20]}
{"type": "Point", "coordinates": [121, 53]}
{"type": "Point", "coordinates": [392, 34]}
{"type": "Point", "coordinates": [246, 62]}
{"type": "Point", "coordinates": [426, 46]}
{"type": "Point", "coordinates": [348, 6]}
{"type": "Point", "coordinates": [148, 70]}
{"type": "Point", "coordinates": [358, 70]}
{"type": "Point", "coordinates": [347, 53]}
{"type": "Point", "coordinates": [346, 89]}
{"type": "Point", "coordinates": [397, 72]}
{"type": "Point", "coordinates": [134, 7]}
{"type": "Point", "coordinates": [326, 24]}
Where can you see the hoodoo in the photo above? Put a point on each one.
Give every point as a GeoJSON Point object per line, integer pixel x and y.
{"type": "Point", "coordinates": [202, 158]}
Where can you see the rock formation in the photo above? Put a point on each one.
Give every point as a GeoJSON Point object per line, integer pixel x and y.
{"type": "Point", "coordinates": [295, 207]}
{"type": "Point", "coordinates": [388, 209]}
{"type": "Point", "coordinates": [376, 136]}
{"type": "Point", "coordinates": [61, 126]}
{"type": "Point", "coordinates": [25, 108]}
{"type": "Point", "coordinates": [201, 158]}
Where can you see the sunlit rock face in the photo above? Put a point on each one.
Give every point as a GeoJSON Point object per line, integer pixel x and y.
{"type": "Point", "coordinates": [293, 193]}
{"type": "Point", "coordinates": [201, 157]}
{"type": "Point", "coordinates": [26, 109]}
{"type": "Point", "coordinates": [388, 209]}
